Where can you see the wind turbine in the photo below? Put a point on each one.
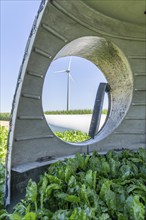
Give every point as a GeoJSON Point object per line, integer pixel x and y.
{"type": "Point", "coordinates": [68, 82]}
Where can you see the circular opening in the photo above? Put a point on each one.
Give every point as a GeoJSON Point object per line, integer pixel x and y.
{"type": "Point", "coordinates": [70, 91]}
{"type": "Point", "coordinates": [109, 58]}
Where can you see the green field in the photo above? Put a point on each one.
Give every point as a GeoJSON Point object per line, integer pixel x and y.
{"type": "Point", "coordinates": [73, 112]}
{"type": "Point", "coordinates": [4, 116]}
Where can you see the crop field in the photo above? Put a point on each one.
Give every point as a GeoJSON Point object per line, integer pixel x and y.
{"type": "Point", "coordinates": [72, 136]}
{"type": "Point", "coordinates": [97, 187]}
{"type": "Point", "coordinates": [73, 112]}
{"type": "Point", "coordinates": [4, 116]}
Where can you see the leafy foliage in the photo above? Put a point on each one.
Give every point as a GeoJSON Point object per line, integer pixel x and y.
{"type": "Point", "coordinates": [97, 187]}
{"type": "Point", "coordinates": [5, 116]}
{"type": "Point", "coordinates": [111, 186]}
{"type": "Point", "coordinates": [72, 136]}
{"type": "Point", "coordinates": [3, 146]}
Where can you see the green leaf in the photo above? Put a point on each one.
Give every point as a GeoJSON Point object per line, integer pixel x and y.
{"type": "Point", "coordinates": [136, 160]}
{"type": "Point", "coordinates": [61, 215]}
{"type": "Point", "coordinates": [77, 214]}
{"type": "Point", "coordinates": [15, 217]}
{"type": "Point", "coordinates": [81, 161]}
{"type": "Point", "coordinates": [108, 195]}
{"type": "Point", "coordinates": [3, 214]}
{"type": "Point", "coordinates": [137, 186]}
{"type": "Point", "coordinates": [42, 190]}
{"type": "Point", "coordinates": [31, 191]}
{"type": "Point", "coordinates": [68, 173]}
{"type": "Point", "coordinates": [87, 159]}
{"type": "Point", "coordinates": [84, 195]}
{"type": "Point", "coordinates": [141, 195]}
{"type": "Point", "coordinates": [135, 208]}
{"type": "Point", "coordinates": [95, 163]}
{"type": "Point", "coordinates": [51, 187]}
{"type": "Point", "coordinates": [44, 214]}
{"type": "Point", "coordinates": [122, 216]}
{"type": "Point", "coordinates": [104, 216]}
{"type": "Point", "coordinates": [105, 167]}
{"type": "Point", "coordinates": [21, 208]}
{"type": "Point", "coordinates": [89, 178]}
{"type": "Point", "coordinates": [72, 198]}
{"type": "Point", "coordinates": [72, 182]}
{"type": "Point", "coordinates": [142, 154]}
{"type": "Point", "coordinates": [114, 167]}
{"type": "Point", "coordinates": [94, 179]}
{"type": "Point", "coordinates": [69, 198]}
{"type": "Point", "coordinates": [125, 171]}
{"type": "Point", "coordinates": [30, 216]}
{"type": "Point", "coordinates": [53, 179]}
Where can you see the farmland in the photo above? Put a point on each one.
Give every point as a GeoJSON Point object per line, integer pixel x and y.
{"type": "Point", "coordinates": [111, 187]}
{"type": "Point", "coordinates": [73, 112]}
{"type": "Point", "coordinates": [5, 116]}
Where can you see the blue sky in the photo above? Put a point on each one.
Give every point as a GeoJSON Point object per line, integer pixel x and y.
{"type": "Point", "coordinates": [84, 81]}
{"type": "Point", "coordinates": [16, 21]}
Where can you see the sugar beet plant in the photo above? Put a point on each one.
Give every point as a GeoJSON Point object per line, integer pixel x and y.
{"type": "Point", "coordinates": [3, 146]}
{"type": "Point", "coordinates": [97, 187]}
{"type": "Point", "coordinates": [72, 136]}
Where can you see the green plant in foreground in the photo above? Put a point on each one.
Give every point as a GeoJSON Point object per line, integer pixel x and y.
{"type": "Point", "coordinates": [3, 147]}
{"type": "Point", "coordinates": [97, 187]}
{"type": "Point", "coordinates": [72, 136]}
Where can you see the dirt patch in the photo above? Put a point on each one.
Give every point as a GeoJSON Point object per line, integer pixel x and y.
{"type": "Point", "coordinates": [4, 124]}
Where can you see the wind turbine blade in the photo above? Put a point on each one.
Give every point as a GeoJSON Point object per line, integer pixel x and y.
{"type": "Point", "coordinates": [69, 64]}
{"type": "Point", "coordinates": [71, 78]}
{"type": "Point", "coordinates": [60, 71]}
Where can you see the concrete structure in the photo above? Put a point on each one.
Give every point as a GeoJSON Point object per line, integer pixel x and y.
{"type": "Point", "coordinates": [112, 35]}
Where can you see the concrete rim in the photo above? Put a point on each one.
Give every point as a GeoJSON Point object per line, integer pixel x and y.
{"type": "Point", "coordinates": [114, 65]}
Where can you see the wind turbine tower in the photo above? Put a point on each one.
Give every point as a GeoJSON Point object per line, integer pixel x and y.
{"type": "Point", "coordinates": [68, 83]}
